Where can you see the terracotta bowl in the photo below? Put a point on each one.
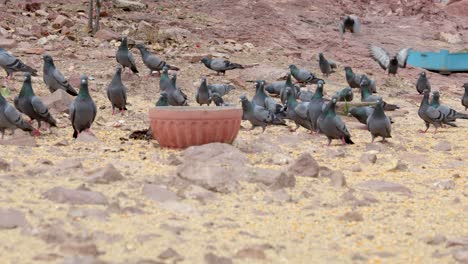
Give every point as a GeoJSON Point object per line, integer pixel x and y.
{"type": "Point", "coordinates": [184, 126]}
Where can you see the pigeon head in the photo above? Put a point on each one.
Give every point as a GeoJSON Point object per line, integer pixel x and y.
{"type": "Point", "coordinates": [243, 98]}
{"type": "Point", "coordinates": [163, 95]}
{"type": "Point", "coordinates": [320, 82]}
{"type": "Point", "coordinates": [47, 58]}
{"type": "Point", "coordinates": [348, 69]}
{"type": "Point", "coordinates": [364, 81]}
{"type": "Point", "coordinates": [27, 76]}
{"type": "Point", "coordinates": [426, 92]}
{"type": "Point", "coordinates": [140, 46]}
{"type": "Point", "coordinates": [465, 85]}
{"type": "Point", "coordinates": [292, 67]}
{"type": "Point", "coordinates": [83, 79]}
{"type": "Point", "coordinates": [436, 95]}
{"type": "Point", "coordinates": [334, 100]}
{"type": "Point", "coordinates": [423, 73]}
{"type": "Point", "coordinates": [165, 69]}
{"type": "Point", "coordinates": [205, 60]}
{"type": "Point", "coordinates": [321, 55]}
{"type": "Point", "coordinates": [118, 69]}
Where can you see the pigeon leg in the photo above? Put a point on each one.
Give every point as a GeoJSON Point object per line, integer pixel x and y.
{"type": "Point", "coordinates": [89, 131]}
{"type": "Point", "coordinates": [3, 133]}
{"type": "Point", "coordinates": [122, 111]}
{"type": "Point", "coordinates": [263, 129]}
{"type": "Point", "coordinates": [343, 140]}
{"type": "Point", "coordinates": [294, 129]}
{"type": "Point", "coordinates": [373, 138]}
{"type": "Point", "coordinates": [329, 142]}
{"type": "Point", "coordinates": [113, 111]}
{"type": "Point", "coordinates": [30, 121]}
{"type": "Point", "coordinates": [36, 132]}
{"type": "Point", "coordinates": [435, 131]}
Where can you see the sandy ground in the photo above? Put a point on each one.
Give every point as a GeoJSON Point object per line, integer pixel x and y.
{"type": "Point", "coordinates": [303, 224]}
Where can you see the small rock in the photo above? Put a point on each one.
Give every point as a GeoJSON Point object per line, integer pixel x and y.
{"type": "Point", "coordinates": [397, 165]}
{"type": "Point", "coordinates": [384, 186]}
{"type": "Point", "coordinates": [337, 179]}
{"type": "Point", "coordinates": [212, 177]}
{"type": "Point", "coordinates": [352, 216]}
{"type": "Point", "coordinates": [58, 102]}
{"type": "Point", "coordinates": [69, 164]}
{"type": "Point", "coordinates": [450, 38]}
{"type": "Point", "coordinates": [446, 184]}
{"type": "Point", "coordinates": [64, 195]}
{"type": "Point", "coordinates": [62, 21]}
{"type": "Point", "coordinates": [443, 146]}
{"type": "Point", "coordinates": [106, 175]}
{"type": "Point", "coordinates": [87, 137]}
{"type": "Point", "coordinates": [435, 240]}
{"type": "Point", "coordinates": [159, 193]}
{"type": "Point", "coordinates": [459, 241]}
{"type": "Point", "coordinates": [279, 196]}
{"type": "Point", "coordinates": [87, 249]}
{"type": "Point", "coordinates": [11, 218]}
{"type": "Point", "coordinates": [211, 258]}
{"type": "Point", "coordinates": [369, 157]}
{"type": "Point", "coordinates": [105, 34]}
{"type": "Point", "coordinates": [4, 165]}
{"type": "Point", "coordinates": [41, 12]}
{"type": "Point", "coordinates": [279, 159]}
{"type": "Point", "coordinates": [20, 138]}
{"type": "Point", "coordinates": [170, 253]}
{"type": "Point", "coordinates": [193, 57]}
{"type": "Point", "coordinates": [355, 168]}
{"type": "Point", "coordinates": [305, 165]}
{"type": "Point", "coordinates": [335, 153]}
{"type": "Point", "coordinates": [129, 5]}
{"type": "Point", "coordinates": [197, 192]}
{"type": "Point", "coordinates": [251, 253]}
{"type": "Point", "coordinates": [461, 255]}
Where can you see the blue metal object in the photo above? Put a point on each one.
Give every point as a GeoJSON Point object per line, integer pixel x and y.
{"type": "Point", "coordinates": [443, 61]}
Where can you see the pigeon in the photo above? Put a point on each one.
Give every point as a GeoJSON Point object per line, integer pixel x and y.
{"type": "Point", "coordinates": [354, 80]}
{"type": "Point", "coordinates": [220, 65]}
{"type": "Point", "coordinates": [259, 116]}
{"type": "Point", "coordinates": [203, 95]}
{"type": "Point", "coordinates": [295, 90]}
{"type": "Point", "coordinates": [221, 88]}
{"type": "Point", "coordinates": [391, 64]}
{"type": "Point", "coordinates": [163, 100]}
{"type": "Point", "coordinates": [117, 92]}
{"type": "Point", "coordinates": [450, 114]}
{"type": "Point", "coordinates": [305, 95]}
{"type": "Point", "coordinates": [165, 82]}
{"type": "Point", "coordinates": [82, 109]}
{"type": "Point", "coordinates": [31, 105]}
{"type": "Point", "coordinates": [349, 23]}
{"type": "Point", "coordinates": [54, 79]}
{"type": "Point", "coordinates": [366, 96]}
{"type": "Point", "coordinates": [262, 99]}
{"type": "Point", "coordinates": [325, 65]}
{"type": "Point", "coordinates": [431, 115]}
{"type": "Point", "coordinates": [10, 118]}
{"type": "Point", "coordinates": [316, 106]}
{"type": "Point", "coordinates": [346, 94]}
{"type": "Point", "coordinates": [218, 100]}
{"type": "Point", "coordinates": [464, 99]}
{"type": "Point", "coordinates": [125, 56]}
{"type": "Point", "coordinates": [302, 76]}
{"type": "Point", "coordinates": [378, 123]}
{"type": "Point", "coordinates": [174, 94]}
{"type": "Point", "coordinates": [422, 83]}
{"type": "Point", "coordinates": [12, 64]}
{"type": "Point", "coordinates": [361, 113]}
{"type": "Point", "coordinates": [297, 112]}
{"type": "Point", "coordinates": [152, 62]}
{"type": "Point", "coordinates": [331, 125]}
{"type": "Point", "coordinates": [275, 88]}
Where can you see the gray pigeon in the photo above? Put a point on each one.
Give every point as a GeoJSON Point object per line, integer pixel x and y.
{"type": "Point", "coordinates": [349, 23]}
{"type": "Point", "coordinates": [31, 105]}
{"type": "Point", "coordinates": [379, 123]}
{"type": "Point", "coordinates": [152, 62]}
{"type": "Point", "coordinates": [431, 115]}
{"type": "Point", "coordinates": [422, 83]}
{"type": "Point", "coordinates": [464, 99]}
{"type": "Point", "coordinates": [117, 92]}
{"type": "Point", "coordinates": [165, 82]}
{"type": "Point", "coordinates": [298, 112]}
{"type": "Point", "coordinates": [220, 65]}
{"type": "Point", "coordinates": [302, 76]}
{"type": "Point", "coordinates": [221, 88]}
{"type": "Point", "coordinates": [54, 79]}
{"type": "Point", "coordinates": [262, 99]}
{"type": "Point", "coordinates": [10, 118]}
{"type": "Point", "coordinates": [331, 125]}
{"type": "Point", "coordinates": [326, 66]}
{"type": "Point", "coordinates": [295, 90]}
{"type": "Point", "coordinates": [259, 116]}
{"type": "Point", "coordinates": [389, 64]}
{"type": "Point", "coordinates": [366, 96]}
{"type": "Point", "coordinates": [346, 94]}
{"type": "Point", "coordinates": [361, 113]}
{"type": "Point", "coordinates": [82, 109]}
{"type": "Point", "coordinates": [203, 95]}
{"type": "Point", "coordinates": [275, 88]}
{"type": "Point", "coordinates": [125, 56]}
{"type": "Point", "coordinates": [316, 106]}
{"type": "Point", "coordinates": [163, 100]}
{"type": "Point", "coordinates": [450, 114]}
{"type": "Point", "coordinates": [354, 80]}
{"type": "Point", "coordinates": [218, 100]}
{"type": "Point", "coordinates": [12, 64]}
{"type": "Point", "coordinates": [174, 94]}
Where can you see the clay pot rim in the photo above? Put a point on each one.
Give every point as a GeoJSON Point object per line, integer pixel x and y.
{"type": "Point", "coordinates": [195, 108]}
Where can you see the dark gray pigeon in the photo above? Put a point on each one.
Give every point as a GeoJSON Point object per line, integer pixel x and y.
{"type": "Point", "coordinates": [430, 115]}
{"type": "Point", "coordinates": [354, 80]}
{"type": "Point", "coordinates": [295, 90]}
{"type": "Point", "coordinates": [331, 125]}
{"type": "Point", "coordinates": [125, 57]}
{"type": "Point", "coordinates": [117, 92]}
{"type": "Point", "coordinates": [316, 106]}
{"type": "Point", "coordinates": [262, 99]}
{"type": "Point", "coordinates": [54, 79]}
{"type": "Point", "coordinates": [464, 99]}
{"type": "Point", "coordinates": [218, 100]}
{"type": "Point", "coordinates": [10, 118]}
{"type": "Point", "coordinates": [203, 95]}
{"type": "Point", "coordinates": [165, 82]}
{"type": "Point", "coordinates": [346, 94]}
{"type": "Point", "coordinates": [83, 109]}
{"type": "Point", "coordinates": [379, 123]}
{"type": "Point", "coordinates": [31, 105]}
{"type": "Point", "coordinates": [389, 64]}
{"type": "Point", "coordinates": [302, 76]}
{"type": "Point", "coordinates": [221, 88]}
{"type": "Point", "coordinates": [349, 23]}
{"type": "Point", "coordinates": [275, 88]}
{"type": "Point", "coordinates": [450, 114]}
{"type": "Point", "coordinates": [220, 65]}
{"type": "Point", "coordinates": [361, 113]}
{"type": "Point", "coordinates": [366, 96]}
{"type": "Point", "coordinates": [326, 67]}
{"type": "Point", "coordinates": [163, 100]}
{"type": "Point", "coordinates": [175, 95]}
{"type": "Point", "coordinates": [259, 116]}
{"type": "Point", "coordinates": [152, 62]}
{"type": "Point", "coordinates": [422, 83]}
{"type": "Point", "coordinates": [12, 64]}
{"type": "Point", "coordinates": [298, 111]}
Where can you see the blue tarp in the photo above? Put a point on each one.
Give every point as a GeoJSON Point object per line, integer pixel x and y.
{"type": "Point", "coordinates": [442, 61]}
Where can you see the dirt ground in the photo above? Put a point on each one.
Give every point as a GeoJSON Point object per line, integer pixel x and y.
{"type": "Point", "coordinates": [405, 201]}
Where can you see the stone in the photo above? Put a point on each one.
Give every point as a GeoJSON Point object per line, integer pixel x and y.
{"type": "Point", "coordinates": [279, 159]}
{"type": "Point", "coordinates": [443, 146]}
{"type": "Point", "coordinates": [7, 43]}
{"type": "Point", "coordinates": [337, 179]}
{"type": "Point", "coordinates": [273, 178]}
{"type": "Point", "coordinates": [159, 193]}
{"type": "Point", "coordinates": [335, 153]}
{"type": "Point", "coordinates": [58, 102]}
{"type": "Point", "coordinates": [70, 164]}
{"type": "Point", "coordinates": [12, 218]}
{"type": "Point", "coordinates": [211, 177]}
{"type": "Point", "coordinates": [397, 165]}
{"type": "Point", "coordinates": [384, 186]}
{"type": "Point", "coordinates": [170, 253]}
{"type": "Point", "coordinates": [451, 38]}
{"type": "Point", "coordinates": [129, 5]}
{"type": "Point", "coordinates": [352, 216]}
{"type": "Point", "coordinates": [87, 137]}
{"type": "Point", "coordinates": [105, 34]}
{"type": "Point", "coordinates": [461, 255]}
{"type": "Point", "coordinates": [106, 175]}
{"type": "Point", "coordinates": [62, 21]}
{"type": "Point", "coordinates": [446, 184]}
{"type": "Point", "coordinates": [458, 241]}
{"type": "Point", "coordinates": [369, 157]}
{"type": "Point", "coordinates": [305, 165]}
{"type": "Point", "coordinates": [211, 258]}
{"type": "Point", "coordinates": [251, 253]}
{"type": "Point", "coordinates": [4, 165]}
{"type": "Point", "coordinates": [71, 196]}
{"type": "Point", "coordinates": [172, 34]}
{"type": "Point", "coordinates": [20, 138]}
{"type": "Point", "coordinates": [435, 240]}
{"type": "Point", "coordinates": [196, 192]}
{"type": "Point", "coordinates": [87, 248]}
{"type": "Point", "coordinates": [193, 57]}
{"type": "Point", "coordinates": [279, 196]}
{"type": "Point", "coordinates": [42, 13]}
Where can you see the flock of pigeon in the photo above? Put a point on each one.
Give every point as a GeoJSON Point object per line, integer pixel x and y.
{"type": "Point", "coordinates": [305, 108]}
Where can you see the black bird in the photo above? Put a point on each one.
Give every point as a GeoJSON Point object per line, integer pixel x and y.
{"type": "Point", "coordinates": [349, 23]}
{"type": "Point", "coordinates": [389, 64]}
{"type": "Point", "coordinates": [422, 83]}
